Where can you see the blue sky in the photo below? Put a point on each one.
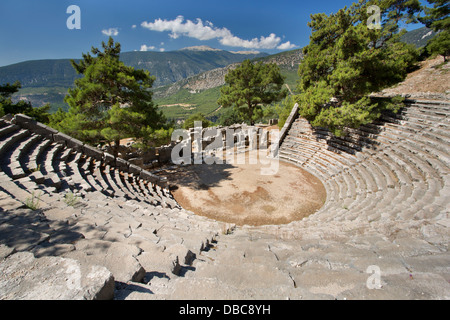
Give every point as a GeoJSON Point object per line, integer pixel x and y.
{"type": "Point", "coordinates": [37, 29]}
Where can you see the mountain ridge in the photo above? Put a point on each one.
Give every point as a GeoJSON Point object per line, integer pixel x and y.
{"type": "Point", "coordinates": [287, 61]}
{"type": "Point", "coordinates": [47, 80]}
{"type": "Point", "coordinates": [199, 93]}
{"type": "Point", "coordinates": [167, 67]}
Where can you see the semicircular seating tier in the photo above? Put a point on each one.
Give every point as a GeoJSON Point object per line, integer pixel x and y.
{"type": "Point", "coordinates": [392, 172]}
{"type": "Point", "coordinates": [89, 207]}
{"type": "Point", "coordinates": [387, 207]}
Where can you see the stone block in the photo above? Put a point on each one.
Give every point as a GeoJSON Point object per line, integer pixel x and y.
{"type": "Point", "coordinates": [165, 155]}
{"type": "Point", "coordinates": [122, 164]}
{"type": "Point", "coordinates": [134, 169]}
{"type": "Point", "coordinates": [53, 278]}
{"type": "Point", "coordinates": [68, 141]}
{"type": "Point", "coordinates": [136, 161]}
{"type": "Point", "coordinates": [117, 257]}
{"type": "Point", "coordinates": [149, 155]}
{"type": "Point", "coordinates": [109, 159]}
{"type": "Point", "coordinates": [92, 152]}
{"type": "Point", "coordinates": [34, 126]}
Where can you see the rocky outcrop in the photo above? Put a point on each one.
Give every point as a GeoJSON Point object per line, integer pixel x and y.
{"type": "Point", "coordinates": [23, 277]}
{"type": "Point", "coordinates": [210, 79]}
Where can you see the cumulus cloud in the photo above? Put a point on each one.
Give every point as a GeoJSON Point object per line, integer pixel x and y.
{"type": "Point", "coordinates": [111, 32]}
{"type": "Point", "coordinates": [206, 31]}
{"type": "Point", "coordinates": [146, 48]}
{"type": "Point", "coordinates": [269, 42]}
{"type": "Point", "coordinates": [178, 27]}
{"type": "Point", "coordinates": [286, 46]}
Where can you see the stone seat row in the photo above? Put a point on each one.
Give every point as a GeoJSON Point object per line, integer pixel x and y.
{"type": "Point", "coordinates": [115, 218]}
{"type": "Point", "coordinates": [400, 175]}
{"type": "Point", "coordinates": [45, 162]}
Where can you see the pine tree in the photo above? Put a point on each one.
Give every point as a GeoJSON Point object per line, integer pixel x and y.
{"type": "Point", "coordinates": [190, 121]}
{"type": "Point", "coordinates": [438, 19]}
{"type": "Point", "coordinates": [251, 85]}
{"type": "Point", "coordinates": [7, 106]}
{"type": "Point", "coordinates": [111, 101]}
{"type": "Point", "coordinates": [345, 61]}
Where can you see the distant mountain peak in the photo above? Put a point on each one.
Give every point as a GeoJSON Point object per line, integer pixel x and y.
{"type": "Point", "coordinates": [200, 48]}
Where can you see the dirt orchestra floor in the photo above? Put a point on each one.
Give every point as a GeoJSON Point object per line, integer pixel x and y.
{"type": "Point", "coordinates": [240, 194]}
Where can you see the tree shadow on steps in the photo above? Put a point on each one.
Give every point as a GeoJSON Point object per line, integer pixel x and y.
{"type": "Point", "coordinates": [197, 176]}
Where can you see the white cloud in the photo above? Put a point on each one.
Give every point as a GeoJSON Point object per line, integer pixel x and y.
{"type": "Point", "coordinates": [146, 48]}
{"type": "Point", "coordinates": [162, 49]}
{"type": "Point", "coordinates": [207, 31]}
{"type": "Point", "coordinates": [133, 26]}
{"type": "Point", "coordinates": [269, 42]}
{"type": "Point", "coordinates": [111, 32]}
{"type": "Point", "coordinates": [191, 29]}
{"type": "Point", "coordinates": [286, 46]}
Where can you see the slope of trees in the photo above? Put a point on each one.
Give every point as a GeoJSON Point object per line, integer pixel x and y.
{"type": "Point", "coordinates": [8, 107]}
{"type": "Point", "coordinates": [250, 86]}
{"type": "Point", "coordinates": [438, 19]}
{"type": "Point", "coordinates": [190, 121]}
{"type": "Point", "coordinates": [346, 60]}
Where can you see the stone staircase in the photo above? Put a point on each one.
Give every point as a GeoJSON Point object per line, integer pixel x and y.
{"type": "Point", "coordinates": [387, 207]}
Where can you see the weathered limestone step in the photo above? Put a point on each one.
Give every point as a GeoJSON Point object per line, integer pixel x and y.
{"type": "Point", "coordinates": [76, 180]}
{"type": "Point", "coordinates": [11, 140]}
{"type": "Point", "coordinates": [7, 130]}
{"type": "Point", "coordinates": [116, 181]}
{"type": "Point", "coordinates": [15, 163]}
{"type": "Point", "coordinates": [119, 258]}
{"type": "Point", "coordinates": [120, 178]}
{"type": "Point", "coordinates": [195, 241]}
{"type": "Point", "coordinates": [95, 183]}
{"type": "Point", "coordinates": [24, 277]}
{"type": "Point", "coordinates": [240, 282]}
{"type": "Point", "coordinates": [149, 196]}
{"type": "Point", "coordinates": [49, 157]}
{"type": "Point", "coordinates": [159, 264]}
{"type": "Point", "coordinates": [10, 187]}
{"type": "Point", "coordinates": [31, 162]}
{"type": "Point", "coordinates": [98, 177]}
{"type": "Point", "coordinates": [105, 174]}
